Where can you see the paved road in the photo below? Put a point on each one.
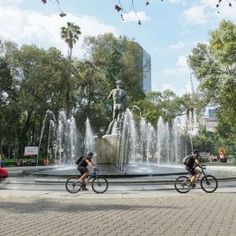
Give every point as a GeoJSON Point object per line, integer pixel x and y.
{"type": "Point", "coordinates": [29, 209]}
{"type": "Point", "coordinates": [116, 185]}
{"type": "Point", "coordinates": [153, 213]}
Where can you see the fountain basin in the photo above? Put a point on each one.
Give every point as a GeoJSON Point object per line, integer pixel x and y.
{"type": "Point", "coordinates": [111, 171]}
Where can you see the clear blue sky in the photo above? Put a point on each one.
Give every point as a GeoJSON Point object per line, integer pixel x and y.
{"type": "Point", "coordinates": [169, 30]}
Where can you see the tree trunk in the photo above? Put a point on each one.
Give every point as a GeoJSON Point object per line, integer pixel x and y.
{"type": "Point", "coordinates": [23, 137]}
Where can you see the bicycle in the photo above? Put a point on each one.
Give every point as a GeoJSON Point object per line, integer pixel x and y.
{"type": "Point", "coordinates": [99, 184]}
{"type": "Point", "coordinates": [208, 183]}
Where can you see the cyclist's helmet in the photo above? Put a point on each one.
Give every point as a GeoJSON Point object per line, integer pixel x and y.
{"type": "Point", "coordinates": [196, 151]}
{"type": "Point", "coordinates": [90, 154]}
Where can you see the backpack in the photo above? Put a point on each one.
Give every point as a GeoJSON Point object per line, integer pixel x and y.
{"type": "Point", "coordinates": [187, 160]}
{"type": "Point", "coordinates": [79, 160]}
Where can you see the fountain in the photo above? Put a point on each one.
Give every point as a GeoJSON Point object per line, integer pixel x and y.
{"type": "Point", "coordinates": [142, 144]}
{"type": "Point", "coordinates": [139, 149]}
{"type": "Point", "coordinates": [48, 116]}
{"type": "Point", "coordinates": [89, 140]}
{"type": "Point", "coordinates": [131, 145]}
{"type": "Point", "coordinates": [62, 138]}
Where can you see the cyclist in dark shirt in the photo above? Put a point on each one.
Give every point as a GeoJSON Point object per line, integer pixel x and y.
{"type": "Point", "coordinates": [82, 167]}
{"type": "Point", "coordinates": [191, 162]}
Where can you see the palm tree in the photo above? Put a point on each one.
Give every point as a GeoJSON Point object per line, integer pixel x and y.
{"type": "Point", "coordinates": [70, 34]}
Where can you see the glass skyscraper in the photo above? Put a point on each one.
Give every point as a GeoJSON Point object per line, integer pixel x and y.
{"type": "Point", "coordinates": [145, 79]}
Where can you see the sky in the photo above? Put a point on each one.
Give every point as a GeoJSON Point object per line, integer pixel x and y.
{"type": "Point", "coordinates": [169, 29]}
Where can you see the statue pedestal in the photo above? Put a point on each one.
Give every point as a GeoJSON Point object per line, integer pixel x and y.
{"type": "Point", "coordinates": [107, 149]}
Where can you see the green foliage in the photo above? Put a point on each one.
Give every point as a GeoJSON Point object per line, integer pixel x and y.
{"type": "Point", "coordinates": [9, 162]}
{"type": "Point", "coordinates": [90, 96]}
{"type": "Point", "coordinates": [169, 105]}
{"type": "Point", "coordinates": [214, 66]}
{"type": "Point", "coordinates": [212, 142]}
{"type": "Point", "coordinates": [223, 43]}
{"type": "Point", "coordinates": [117, 58]}
{"type": "Point", "coordinates": [38, 77]}
{"type": "Point", "coordinates": [37, 80]}
{"type": "Point", "coordinates": [164, 104]}
{"type": "Point", "coordinates": [147, 110]}
{"type": "Point", "coordinates": [205, 142]}
{"type": "Point", "coordinates": [6, 94]}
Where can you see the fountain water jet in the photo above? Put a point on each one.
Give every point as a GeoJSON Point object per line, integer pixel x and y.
{"type": "Point", "coordinates": [142, 142]}
{"type": "Point", "coordinates": [62, 141]}
{"type": "Point", "coordinates": [89, 142]}
{"type": "Point", "coordinates": [139, 145]}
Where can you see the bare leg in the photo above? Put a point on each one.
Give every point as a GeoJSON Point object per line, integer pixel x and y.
{"type": "Point", "coordinates": [83, 177]}
{"type": "Point", "coordinates": [195, 177]}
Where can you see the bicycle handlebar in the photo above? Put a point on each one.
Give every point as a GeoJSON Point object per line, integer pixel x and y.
{"type": "Point", "coordinates": [94, 173]}
{"type": "Point", "coordinates": [202, 166]}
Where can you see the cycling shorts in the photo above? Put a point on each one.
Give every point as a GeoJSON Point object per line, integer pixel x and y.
{"type": "Point", "coordinates": [83, 169]}
{"type": "Point", "coordinates": [191, 170]}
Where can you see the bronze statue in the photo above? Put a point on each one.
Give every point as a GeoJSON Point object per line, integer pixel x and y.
{"type": "Point", "coordinates": [119, 97]}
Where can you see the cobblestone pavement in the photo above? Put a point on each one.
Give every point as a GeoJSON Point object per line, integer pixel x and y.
{"type": "Point", "coordinates": [155, 213]}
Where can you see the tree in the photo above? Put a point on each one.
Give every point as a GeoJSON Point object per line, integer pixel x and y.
{"type": "Point", "coordinates": [164, 104]}
{"type": "Point", "coordinates": [70, 34]}
{"type": "Point", "coordinates": [117, 58]}
{"type": "Point", "coordinates": [38, 78]}
{"type": "Point", "coordinates": [6, 92]}
{"type": "Point", "coordinates": [169, 104]}
{"type": "Point", "coordinates": [215, 67]}
{"type": "Point", "coordinates": [6, 82]}
{"type": "Point", "coordinates": [90, 96]}
{"type": "Point", "coordinates": [147, 110]}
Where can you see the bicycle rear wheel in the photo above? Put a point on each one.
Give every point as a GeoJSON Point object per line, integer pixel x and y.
{"type": "Point", "coordinates": [99, 185]}
{"type": "Point", "coordinates": [182, 184]}
{"type": "Point", "coordinates": [209, 183]}
{"type": "Point", "coordinates": [73, 184]}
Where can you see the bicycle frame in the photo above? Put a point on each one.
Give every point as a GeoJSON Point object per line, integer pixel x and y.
{"type": "Point", "coordinates": [99, 184]}
{"type": "Point", "coordinates": [202, 172]}
{"type": "Point", "coordinates": [91, 177]}
{"type": "Point", "coordinates": [208, 183]}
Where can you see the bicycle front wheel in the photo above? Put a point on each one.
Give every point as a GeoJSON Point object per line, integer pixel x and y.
{"type": "Point", "coordinates": [182, 184]}
{"type": "Point", "coordinates": [99, 185]}
{"type": "Point", "coordinates": [73, 184]}
{"type": "Point", "coordinates": [209, 183]}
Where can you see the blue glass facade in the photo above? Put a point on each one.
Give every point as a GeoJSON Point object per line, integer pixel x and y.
{"type": "Point", "coordinates": [145, 80]}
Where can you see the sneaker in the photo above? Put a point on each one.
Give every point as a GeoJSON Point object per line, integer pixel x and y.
{"type": "Point", "coordinates": [193, 185]}
{"type": "Point", "coordinates": [84, 189]}
{"type": "Point", "coordinates": [82, 184]}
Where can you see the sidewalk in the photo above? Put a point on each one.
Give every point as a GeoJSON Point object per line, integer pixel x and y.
{"type": "Point", "coordinates": [35, 213]}
{"type": "Point", "coordinates": [161, 211]}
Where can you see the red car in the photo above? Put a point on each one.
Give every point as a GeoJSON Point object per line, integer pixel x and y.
{"type": "Point", "coordinates": [3, 172]}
